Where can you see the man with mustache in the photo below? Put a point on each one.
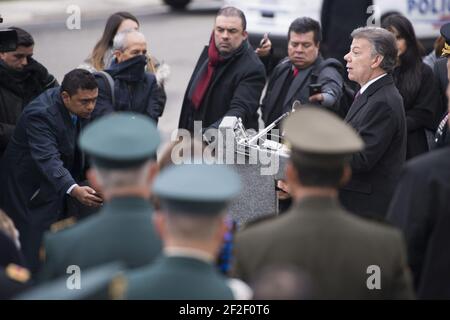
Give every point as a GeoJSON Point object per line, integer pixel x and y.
{"type": "Point", "coordinates": [304, 66]}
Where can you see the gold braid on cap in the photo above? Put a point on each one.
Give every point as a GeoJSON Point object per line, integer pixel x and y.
{"type": "Point", "coordinates": [446, 50]}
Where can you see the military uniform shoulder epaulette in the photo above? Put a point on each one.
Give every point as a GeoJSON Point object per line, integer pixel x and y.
{"type": "Point", "coordinates": [17, 273]}
{"type": "Point", "coordinates": [63, 224]}
{"type": "Point", "coordinates": [117, 287]}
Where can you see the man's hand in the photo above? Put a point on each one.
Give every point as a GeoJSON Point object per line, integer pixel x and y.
{"type": "Point", "coordinates": [316, 98]}
{"type": "Point", "coordinates": [264, 49]}
{"type": "Point", "coordinates": [87, 196]}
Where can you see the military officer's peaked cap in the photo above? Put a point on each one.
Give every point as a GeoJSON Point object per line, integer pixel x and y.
{"type": "Point", "coordinates": [445, 32]}
{"type": "Point", "coordinates": [196, 188]}
{"type": "Point", "coordinates": [120, 140]}
{"type": "Point", "coordinates": [320, 138]}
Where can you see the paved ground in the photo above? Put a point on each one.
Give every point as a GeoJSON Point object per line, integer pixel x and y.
{"type": "Point", "coordinates": [175, 38]}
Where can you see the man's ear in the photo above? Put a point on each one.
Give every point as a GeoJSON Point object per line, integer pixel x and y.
{"type": "Point", "coordinates": [245, 34]}
{"type": "Point", "coordinates": [93, 180]}
{"type": "Point", "coordinates": [118, 55]}
{"type": "Point", "coordinates": [65, 97]}
{"type": "Point", "coordinates": [153, 170]}
{"type": "Point", "coordinates": [346, 175]}
{"type": "Point", "coordinates": [377, 62]}
{"type": "Point", "coordinates": [159, 223]}
{"type": "Point", "coordinates": [291, 174]}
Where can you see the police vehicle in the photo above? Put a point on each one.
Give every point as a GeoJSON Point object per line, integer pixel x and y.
{"type": "Point", "coordinates": [275, 16]}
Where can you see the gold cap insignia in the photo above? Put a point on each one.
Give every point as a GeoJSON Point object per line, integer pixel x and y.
{"type": "Point", "coordinates": [17, 273]}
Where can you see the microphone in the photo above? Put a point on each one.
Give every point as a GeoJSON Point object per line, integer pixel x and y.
{"type": "Point", "coordinates": [295, 105]}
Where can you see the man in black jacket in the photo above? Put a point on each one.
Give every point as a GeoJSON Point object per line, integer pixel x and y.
{"type": "Point", "coordinates": [379, 117]}
{"type": "Point", "coordinates": [21, 80]}
{"type": "Point", "coordinates": [420, 208]}
{"type": "Point", "coordinates": [228, 78]}
{"type": "Point", "coordinates": [304, 66]}
{"type": "Point", "coordinates": [42, 164]}
{"type": "Point", "coordinates": [134, 89]}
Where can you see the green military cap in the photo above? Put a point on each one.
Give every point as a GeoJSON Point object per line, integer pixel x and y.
{"type": "Point", "coordinates": [445, 33]}
{"type": "Point", "coordinates": [95, 284]}
{"type": "Point", "coordinates": [120, 140]}
{"type": "Point", "coordinates": [320, 138]}
{"type": "Point", "coordinates": [196, 188]}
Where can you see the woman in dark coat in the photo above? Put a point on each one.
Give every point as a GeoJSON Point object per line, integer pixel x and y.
{"type": "Point", "coordinates": [416, 83]}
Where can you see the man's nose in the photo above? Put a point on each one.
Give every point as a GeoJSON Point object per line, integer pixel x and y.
{"type": "Point", "coordinates": [23, 61]}
{"type": "Point", "coordinates": [347, 57]}
{"type": "Point", "coordinates": [91, 105]}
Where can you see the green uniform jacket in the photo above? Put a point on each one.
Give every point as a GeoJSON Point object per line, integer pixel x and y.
{"type": "Point", "coordinates": [122, 231]}
{"type": "Point", "coordinates": [178, 278]}
{"type": "Point", "coordinates": [334, 247]}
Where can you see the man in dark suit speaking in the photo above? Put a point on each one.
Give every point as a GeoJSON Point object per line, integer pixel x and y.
{"type": "Point", "coordinates": [42, 164]}
{"type": "Point", "coordinates": [378, 116]}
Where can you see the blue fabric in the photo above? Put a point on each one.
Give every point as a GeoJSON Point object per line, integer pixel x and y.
{"type": "Point", "coordinates": [37, 170]}
{"type": "Point", "coordinates": [74, 119]}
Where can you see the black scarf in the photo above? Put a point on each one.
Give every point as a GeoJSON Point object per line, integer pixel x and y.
{"type": "Point", "coordinates": [27, 83]}
{"type": "Point", "coordinates": [129, 73]}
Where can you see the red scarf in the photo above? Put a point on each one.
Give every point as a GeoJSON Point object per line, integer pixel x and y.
{"type": "Point", "coordinates": [202, 85]}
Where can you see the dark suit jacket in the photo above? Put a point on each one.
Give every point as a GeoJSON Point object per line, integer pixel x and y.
{"type": "Point", "coordinates": [37, 165]}
{"type": "Point", "coordinates": [235, 90]}
{"type": "Point", "coordinates": [423, 111]}
{"type": "Point", "coordinates": [440, 73]}
{"type": "Point", "coordinates": [378, 116]}
{"type": "Point", "coordinates": [420, 208]}
{"type": "Point", "coordinates": [333, 247]}
{"type": "Point", "coordinates": [329, 77]}
{"type": "Point", "coordinates": [145, 97]}
{"type": "Point", "coordinates": [9, 251]}
{"type": "Point", "coordinates": [122, 231]}
{"type": "Point", "coordinates": [178, 278]}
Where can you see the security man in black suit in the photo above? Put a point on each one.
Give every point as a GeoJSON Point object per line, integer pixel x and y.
{"type": "Point", "coordinates": [420, 207]}
{"type": "Point", "coordinates": [41, 164]}
{"type": "Point", "coordinates": [122, 148]}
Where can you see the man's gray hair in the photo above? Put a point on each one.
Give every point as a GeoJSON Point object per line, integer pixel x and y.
{"type": "Point", "coordinates": [383, 43]}
{"type": "Point", "coordinates": [192, 226]}
{"type": "Point", "coordinates": [130, 177]}
{"type": "Point", "coordinates": [120, 40]}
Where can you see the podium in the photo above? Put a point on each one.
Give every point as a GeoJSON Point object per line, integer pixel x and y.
{"type": "Point", "coordinates": [258, 165]}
